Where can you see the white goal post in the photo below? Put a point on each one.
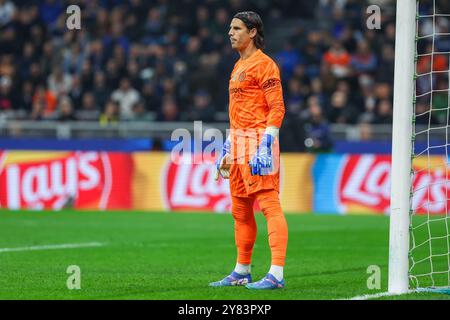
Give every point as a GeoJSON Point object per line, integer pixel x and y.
{"type": "Point", "coordinates": [401, 178]}
{"type": "Point", "coordinates": [419, 239]}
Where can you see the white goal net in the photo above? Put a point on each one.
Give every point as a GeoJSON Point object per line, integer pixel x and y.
{"type": "Point", "coordinates": [429, 252]}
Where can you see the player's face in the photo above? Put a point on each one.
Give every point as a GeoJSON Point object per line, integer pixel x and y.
{"type": "Point", "coordinates": [240, 36]}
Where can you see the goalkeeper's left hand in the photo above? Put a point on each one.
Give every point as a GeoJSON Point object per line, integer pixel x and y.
{"type": "Point", "coordinates": [261, 163]}
{"type": "Point", "coordinates": [223, 162]}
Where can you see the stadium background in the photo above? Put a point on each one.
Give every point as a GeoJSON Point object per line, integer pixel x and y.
{"type": "Point", "coordinates": [86, 118]}
{"type": "Point", "coordinates": [108, 96]}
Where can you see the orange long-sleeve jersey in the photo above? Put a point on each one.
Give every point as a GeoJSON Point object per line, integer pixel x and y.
{"type": "Point", "coordinates": [255, 93]}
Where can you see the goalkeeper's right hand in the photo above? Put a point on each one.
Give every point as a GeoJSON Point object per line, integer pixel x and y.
{"type": "Point", "coordinates": [223, 162]}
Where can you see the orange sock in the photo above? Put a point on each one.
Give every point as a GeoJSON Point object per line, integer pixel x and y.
{"type": "Point", "coordinates": [269, 203]}
{"type": "Point", "coordinates": [244, 228]}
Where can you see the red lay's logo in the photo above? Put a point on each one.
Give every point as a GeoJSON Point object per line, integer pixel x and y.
{"type": "Point", "coordinates": [2, 159]}
{"type": "Point", "coordinates": [431, 188]}
{"type": "Point", "coordinates": [365, 182]}
{"type": "Point", "coordinates": [78, 180]}
{"type": "Point", "coordinates": [192, 187]}
{"type": "Point", "coordinates": [366, 179]}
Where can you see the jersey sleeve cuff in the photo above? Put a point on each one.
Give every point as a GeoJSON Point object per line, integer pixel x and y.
{"type": "Point", "coordinates": [273, 131]}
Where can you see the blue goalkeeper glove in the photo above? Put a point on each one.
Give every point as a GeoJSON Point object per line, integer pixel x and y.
{"type": "Point", "coordinates": [261, 162]}
{"type": "Point", "coordinates": [221, 167]}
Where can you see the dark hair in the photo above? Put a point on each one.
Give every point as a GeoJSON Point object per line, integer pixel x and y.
{"type": "Point", "coordinates": [253, 20]}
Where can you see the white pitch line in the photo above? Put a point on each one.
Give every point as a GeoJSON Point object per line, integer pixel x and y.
{"type": "Point", "coordinates": [53, 246]}
{"type": "Point", "coordinates": [378, 295]}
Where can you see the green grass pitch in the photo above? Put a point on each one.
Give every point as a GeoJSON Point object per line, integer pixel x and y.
{"type": "Point", "coordinates": [175, 255]}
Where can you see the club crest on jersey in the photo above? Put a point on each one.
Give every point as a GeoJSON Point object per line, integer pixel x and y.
{"type": "Point", "coordinates": [242, 76]}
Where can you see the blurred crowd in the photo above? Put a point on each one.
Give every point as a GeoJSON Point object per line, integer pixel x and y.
{"type": "Point", "coordinates": [131, 60]}
{"type": "Point", "coordinates": [170, 60]}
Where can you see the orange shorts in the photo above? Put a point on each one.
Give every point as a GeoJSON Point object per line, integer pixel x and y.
{"type": "Point", "coordinates": [243, 184]}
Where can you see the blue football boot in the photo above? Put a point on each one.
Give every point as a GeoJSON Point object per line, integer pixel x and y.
{"type": "Point", "coordinates": [269, 282]}
{"type": "Point", "coordinates": [234, 279]}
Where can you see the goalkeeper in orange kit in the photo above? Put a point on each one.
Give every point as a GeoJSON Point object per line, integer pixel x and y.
{"type": "Point", "coordinates": [250, 156]}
